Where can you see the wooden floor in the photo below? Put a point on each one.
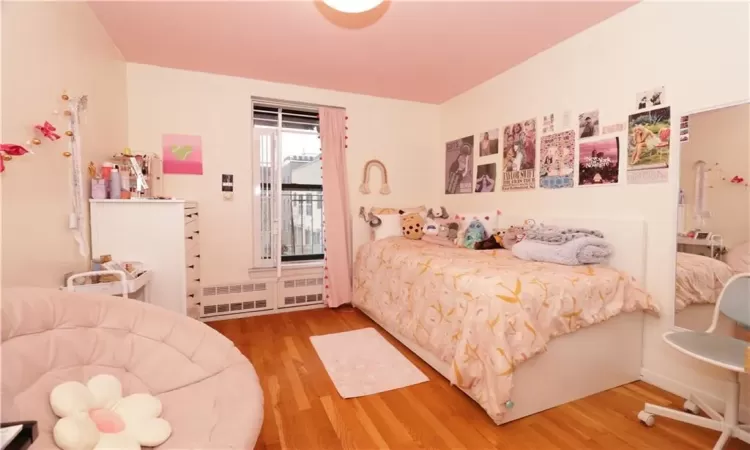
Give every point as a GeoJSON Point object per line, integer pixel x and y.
{"type": "Point", "coordinates": [304, 411]}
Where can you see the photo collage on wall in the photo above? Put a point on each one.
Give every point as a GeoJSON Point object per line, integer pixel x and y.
{"type": "Point", "coordinates": [583, 153]}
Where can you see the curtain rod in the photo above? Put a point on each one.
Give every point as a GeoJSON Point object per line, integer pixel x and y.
{"type": "Point", "coordinates": [288, 104]}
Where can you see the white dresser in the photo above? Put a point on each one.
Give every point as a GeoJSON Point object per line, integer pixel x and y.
{"type": "Point", "coordinates": [164, 235]}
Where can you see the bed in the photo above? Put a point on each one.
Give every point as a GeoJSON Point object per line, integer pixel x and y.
{"type": "Point", "coordinates": [698, 282]}
{"type": "Point", "coordinates": [480, 317]}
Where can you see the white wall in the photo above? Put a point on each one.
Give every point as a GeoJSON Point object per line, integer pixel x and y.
{"type": "Point", "coordinates": [720, 137]}
{"type": "Point", "coordinates": [218, 108]}
{"type": "Point", "coordinates": [699, 51]}
{"type": "Point", "coordinates": [48, 47]}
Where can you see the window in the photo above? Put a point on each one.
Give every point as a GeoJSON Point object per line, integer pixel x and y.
{"type": "Point", "coordinates": [287, 181]}
{"type": "Point", "coordinates": [308, 204]}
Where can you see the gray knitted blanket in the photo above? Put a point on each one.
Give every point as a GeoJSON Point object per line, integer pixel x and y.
{"type": "Point", "coordinates": [557, 236]}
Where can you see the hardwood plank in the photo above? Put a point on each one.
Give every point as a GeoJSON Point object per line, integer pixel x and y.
{"type": "Point", "coordinates": [303, 410]}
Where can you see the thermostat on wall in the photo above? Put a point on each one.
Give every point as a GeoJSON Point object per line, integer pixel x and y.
{"type": "Point", "coordinates": [227, 185]}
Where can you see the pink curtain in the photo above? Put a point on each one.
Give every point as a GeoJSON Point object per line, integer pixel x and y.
{"type": "Point", "coordinates": [338, 226]}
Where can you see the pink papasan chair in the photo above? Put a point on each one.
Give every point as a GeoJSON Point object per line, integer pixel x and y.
{"type": "Point", "coordinates": [209, 391]}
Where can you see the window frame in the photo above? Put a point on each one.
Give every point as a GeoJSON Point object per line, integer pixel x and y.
{"type": "Point", "coordinates": [265, 127]}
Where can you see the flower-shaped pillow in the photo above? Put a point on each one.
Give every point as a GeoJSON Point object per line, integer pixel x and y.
{"type": "Point", "coordinates": [96, 416]}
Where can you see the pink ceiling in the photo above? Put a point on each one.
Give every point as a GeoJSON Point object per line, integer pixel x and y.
{"type": "Point", "coordinates": [422, 51]}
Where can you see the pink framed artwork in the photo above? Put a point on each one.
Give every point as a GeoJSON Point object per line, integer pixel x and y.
{"type": "Point", "coordinates": [182, 154]}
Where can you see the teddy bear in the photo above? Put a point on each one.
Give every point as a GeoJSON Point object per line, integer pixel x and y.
{"type": "Point", "coordinates": [412, 225]}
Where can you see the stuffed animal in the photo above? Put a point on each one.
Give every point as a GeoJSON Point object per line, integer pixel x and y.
{"type": "Point", "coordinates": [437, 213]}
{"type": "Point", "coordinates": [412, 225]}
{"type": "Point", "coordinates": [474, 233]}
{"type": "Point", "coordinates": [434, 219]}
{"type": "Point", "coordinates": [448, 230]}
{"type": "Point", "coordinates": [512, 236]}
{"type": "Point", "coordinates": [494, 241]}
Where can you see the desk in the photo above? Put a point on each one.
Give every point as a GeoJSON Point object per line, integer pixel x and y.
{"type": "Point", "coordinates": [714, 245]}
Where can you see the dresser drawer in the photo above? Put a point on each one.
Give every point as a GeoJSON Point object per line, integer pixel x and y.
{"type": "Point", "coordinates": [191, 227]}
{"type": "Point", "coordinates": [192, 256]}
{"type": "Point", "coordinates": [193, 295]}
{"type": "Point", "coordinates": [192, 238]}
{"type": "Point", "coordinates": [192, 268]}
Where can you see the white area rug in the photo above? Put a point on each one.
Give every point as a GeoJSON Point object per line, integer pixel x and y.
{"type": "Point", "coordinates": [362, 362]}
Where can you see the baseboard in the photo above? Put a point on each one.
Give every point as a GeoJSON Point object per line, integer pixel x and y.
{"type": "Point", "coordinates": [683, 390]}
{"type": "Point", "coordinates": [260, 313]}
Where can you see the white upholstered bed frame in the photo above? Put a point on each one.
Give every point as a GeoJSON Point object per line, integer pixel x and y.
{"type": "Point", "coordinates": [585, 362]}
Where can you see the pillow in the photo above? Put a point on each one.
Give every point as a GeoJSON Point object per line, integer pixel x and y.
{"type": "Point", "coordinates": [97, 415]}
{"type": "Point", "coordinates": [488, 219]}
{"type": "Point", "coordinates": [390, 226]}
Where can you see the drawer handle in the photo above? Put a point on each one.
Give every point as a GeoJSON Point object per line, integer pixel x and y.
{"type": "Point", "coordinates": [198, 255]}
{"type": "Point", "coordinates": [197, 232]}
{"type": "Point", "coordinates": [189, 215]}
{"type": "Point", "coordinates": [191, 266]}
{"type": "Point", "coordinates": [197, 279]}
{"type": "Point", "coordinates": [189, 237]}
{"type": "Point", "coordinates": [191, 295]}
{"type": "Point", "coordinates": [196, 214]}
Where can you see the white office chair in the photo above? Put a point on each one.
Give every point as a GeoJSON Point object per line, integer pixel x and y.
{"type": "Point", "coordinates": [722, 351]}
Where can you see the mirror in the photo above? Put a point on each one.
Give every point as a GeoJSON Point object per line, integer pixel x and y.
{"type": "Point", "coordinates": [713, 227]}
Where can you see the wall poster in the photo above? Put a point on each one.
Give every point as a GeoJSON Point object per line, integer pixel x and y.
{"type": "Point", "coordinates": [556, 156]}
{"type": "Point", "coordinates": [488, 142]}
{"type": "Point", "coordinates": [648, 146]}
{"type": "Point", "coordinates": [459, 166]}
{"type": "Point", "coordinates": [599, 162]}
{"type": "Point", "coordinates": [486, 174]}
{"type": "Point", "coordinates": [519, 155]}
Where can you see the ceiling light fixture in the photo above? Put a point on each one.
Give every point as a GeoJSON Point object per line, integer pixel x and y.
{"type": "Point", "coordinates": [352, 6]}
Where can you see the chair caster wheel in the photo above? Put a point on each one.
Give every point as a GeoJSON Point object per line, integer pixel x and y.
{"type": "Point", "coordinates": [647, 419]}
{"type": "Point", "coordinates": [691, 407]}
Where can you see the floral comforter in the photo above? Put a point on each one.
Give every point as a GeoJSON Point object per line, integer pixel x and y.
{"type": "Point", "coordinates": [699, 280]}
{"type": "Point", "coordinates": [485, 312]}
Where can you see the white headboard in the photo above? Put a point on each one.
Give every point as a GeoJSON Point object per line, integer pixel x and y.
{"type": "Point", "coordinates": [628, 236]}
